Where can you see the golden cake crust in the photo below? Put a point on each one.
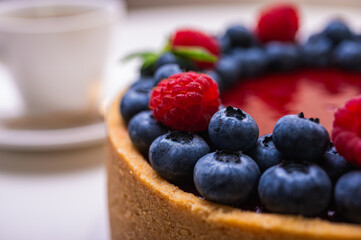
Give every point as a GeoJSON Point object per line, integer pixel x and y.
{"type": "Point", "coordinates": [142, 205]}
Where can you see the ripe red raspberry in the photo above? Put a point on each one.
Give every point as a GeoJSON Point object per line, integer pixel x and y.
{"type": "Point", "coordinates": [194, 38]}
{"type": "Point", "coordinates": [346, 133]}
{"type": "Point", "coordinates": [185, 101]}
{"type": "Point", "coordinates": [278, 23]}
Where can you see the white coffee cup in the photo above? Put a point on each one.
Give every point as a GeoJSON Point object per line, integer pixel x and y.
{"type": "Point", "coordinates": [56, 52]}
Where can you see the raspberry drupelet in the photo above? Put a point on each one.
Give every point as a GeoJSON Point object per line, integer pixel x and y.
{"type": "Point", "coordinates": [278, 23]}
{"type": "Point", "coordinates": [185, 101]}
{"type": "Point", "coordinates": [346, 133]}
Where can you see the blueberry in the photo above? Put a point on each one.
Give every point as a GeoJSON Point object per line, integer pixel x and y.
{"type": "Point", "coordinates": [295, 188]}
{"type": "Point", "coordinates": [134, 101]}
{"type": "Point", "coordinates": [348, 55]}
{"type": "Point", "coordinates": [240, 36]}
{"type": "Point", "coordinates": [338, 31]}
{"type": "Point", "coordinates": [147, 72]}
{"type": "Point", "coordinates": [228, 70]}
{"type": "Point", "coordinates": [265, 153]}
{"type": "Point", "coordinates": [358, 37]}
{"type": "Point", "coordinates": [215, 76]}
{"type": "Point", "coordinates": [225, 43]}
{"type": "Point", "coordinates": [166, 71]}
{"type": "Point", "coordinates": [170, 58]}
{"type": "Point", "coordinates": [254, 61]}
{"type": "Point", "coordinates": [166, 58]}
{"type": "Point", "coordinates": [316, 51]}
{"type": "Point", "coordinates": [282, 56]}
{"type": "Point", "coordinates": [238, 54]}
{"type": "Point", "coordinates": [146, 83]}
{"type": "Point", "coordinates": [348, 196]}
{"type": "Point", "coordinates": [334, 164]}
{"type": "Point", "coordinates": [233, 129]}
{"type": "Point", "coordinates": [143, 129]}
{"type": "Point", "coordinates": [226, 177]}
{"type": "Point", "coordinates": [174, 155]}
{"type": "Point", "coordinates": [297, 137]}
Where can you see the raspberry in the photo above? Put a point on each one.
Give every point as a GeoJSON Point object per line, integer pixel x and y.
{"type": "Point", "coordinates": [185, 101]}
{"type": "Point", "coordinates": [278, 23]}
{"type": "Point", "coordinates": [346, 133]}
{"type": "Point", "coordinates": [194, 38]}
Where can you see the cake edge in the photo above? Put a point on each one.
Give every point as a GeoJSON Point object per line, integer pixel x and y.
{"type": "Point", "coordinates": [143, 205]}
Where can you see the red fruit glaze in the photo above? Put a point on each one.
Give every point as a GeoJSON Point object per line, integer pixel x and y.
{"type": "Point", "coordinates": [278, 23]}
{"type": "Point", "coordinates": [194, 38]}
{"type": "Point", "coordinates": [316, 92]}
{"type": "Point", "coordinates": [185, 101]}
{"type": "Point", "coordinates": [346, 133]}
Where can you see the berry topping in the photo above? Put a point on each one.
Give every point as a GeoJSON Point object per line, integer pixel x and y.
{"type": "Point", "coordinates": [240, 36]}
{"type": "Point", "coordinates": [166, 71]}
{"type": "Point", "coordinates": [189, 38]}
{"type": "Point", "coordinates": [334, 164]}
{"type": "Point", "coordinates": [346, 133]}
{"type": "Point", "coordinates": [252, 61]}
{"type": "Point", "coordinates": [185, 101]}
{"type": "Point", "coordinates": [295, 187]}
{"type": "Point", "coordinates": [135, 101]}
{"type": "Point", "coordinates": [348, 195]}
{"type": "Point", "coordinates": [233, 129]}
{"type": "Point", "coordinates": [347, 55]}
{"type": "Point", "coordinates": [226, 177]}
{"type": "Point", "coordinates": [316, 51]}
{"type": "Point", "coordinates": [265, 153]}
{"type": "Point", "coordinates": [297, 137]}
{"type": "Point", "coordinates": [282, 56]}
{"type": "Point", "coordinates": [278, 23]}
{"type": "Point", "coordinates": [143, 129]}
{"type": "Point", "coordinates": [337, 31]}
{"type": "Point", "coordinates": [228, 70]}
{"type": "Point", "coordinates": [174, 155]}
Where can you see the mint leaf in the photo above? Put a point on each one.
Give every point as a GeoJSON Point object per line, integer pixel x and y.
{"type": "Point", "coordinates": [195, 54]}
{"type": "Point", "coordinates": [149, 61]}
{"type": "Point", "coordinates": [143, 55]}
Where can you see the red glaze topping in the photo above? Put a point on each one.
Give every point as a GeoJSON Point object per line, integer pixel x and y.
{"type": "Point", "coordinates": [317, 93]}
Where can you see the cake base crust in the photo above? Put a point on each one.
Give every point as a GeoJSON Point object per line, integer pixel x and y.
{"type": "Point", "coordinates": [142, 205]}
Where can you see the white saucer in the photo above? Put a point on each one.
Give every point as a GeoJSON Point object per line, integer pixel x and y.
{"type": "Point", "coordinates": [49, 140]}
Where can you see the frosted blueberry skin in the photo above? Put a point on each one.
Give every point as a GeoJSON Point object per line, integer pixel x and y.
{"type": "Point", "coordinates": [225, 43]}
{"type": "Point", "coordinates": [300, 138]}
{"type": "Point", "coordinates": [253, 61]}
{"type": "Point", "coordinates": [170, 58]}
{"type": "Point", "coordinates": [173, 155]}
{"type": "Point", "coordinates": [165, 71]}
{"type": "Point", "coordinates": [348, 196]}
{"type": "Point", "coordinates": [134, 101]}
{"type": "Point", "coordinates": [226, 177]}
{"type": "Point", "coordinates": [233, 129]}
{"type": "Point", "coordinates": [334, 164]}
{"type": "Point", "coordinates": [347, 55]}
{"type": "Point", "coordinates": [265, 153]}
{"type": "Point", "coordinates": [217, 78]}
{"type": "Point", "coordinates": [282, 56]}
{"type": "Point", "coordinates": [228, 70]}
{"type": "Point", "coordinates": [316, 51]}
{"type": "Point", "coordinates": [143, 128]}
{"type": "Point", "coordinates": [166, 58]}
{"type": "Point", "coordinates": [240, 36]}
{"type": "Point", "coordinates": [338, 31]}
{"type": "Point", "coordinates": [145, 83]}
{"type": "Point", "coordinates": [295, 188]}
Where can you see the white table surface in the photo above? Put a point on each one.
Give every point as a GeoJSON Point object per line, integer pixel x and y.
{"type": "Point", "coordinates": [62, 195]}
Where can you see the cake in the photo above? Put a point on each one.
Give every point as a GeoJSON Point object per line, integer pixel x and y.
{"type": "Point", "coordinates": [144, 205]}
